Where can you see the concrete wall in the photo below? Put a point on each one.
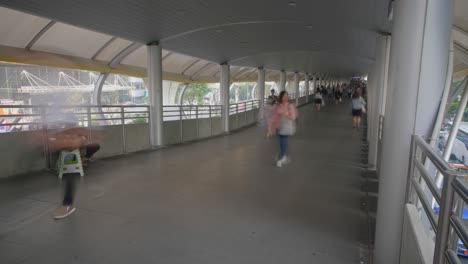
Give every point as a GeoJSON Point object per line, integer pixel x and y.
{"type": "Point", "coordinates": [176, 132]}
{"type": "Point", "coordinates": [21, 152]}
{"type": "Point", "coordinates": [417, 247]}
{"type": "Point", "coordinates": [24, 152]}
{"type": "Point", "coordinates": [243, 119]}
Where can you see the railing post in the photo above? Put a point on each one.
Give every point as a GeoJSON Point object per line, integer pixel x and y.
{"type": "Point", "coordinates": [88, 115]}
{"type": "Point", "coordinates": [245, 113]}
{"type": "Point", "coordinates": [409, 191]}
{"type": "Point", "coordinates": [443, 225]}
{"type": "Point", "coordinates": [197, 125]}
{"type": "Point", "coordinates": [181, 125]}
{"type": "Point", "coordinates": [46, 137]}
{"type": "Point", "coordinates": [124, 134]}
{"type": "Point", "coordinates": [149, 125]}
{"type": "Point", "coordinates": [211, 122]}
{"type": "Point", "coordinates": [237, 115]}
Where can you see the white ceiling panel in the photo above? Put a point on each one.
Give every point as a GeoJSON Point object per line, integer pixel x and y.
{"type": "Point", "coordinates": [176, 62]}
{"type": "Point", "coordinates": [239, 32]}
{"type": "Point", "coordinates": [210, 71]}
{"type": "Point", "coordinates": [199, 64]}
{"type": "Point", "coordinates": [137, 58]}
{"type": "Point", "coordinates": [17, 29]}
{"type": "Point", "coordinates": [234, 70]}
{"type": "Point", "coordinates": [113, 49]}
{"type": "Point", "coordinates": [70, 40]}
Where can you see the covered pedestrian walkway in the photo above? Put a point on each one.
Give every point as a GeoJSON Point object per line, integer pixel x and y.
{"type": "Point", "coordinates": [214, 201]}
{"type": "Point", "coordinates": [171, 98]}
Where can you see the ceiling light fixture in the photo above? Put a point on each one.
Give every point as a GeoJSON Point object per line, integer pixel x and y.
{"type": "Point", "coordinates": [292, 3]}
{"type": "Point", "coordinates": [310, 27]}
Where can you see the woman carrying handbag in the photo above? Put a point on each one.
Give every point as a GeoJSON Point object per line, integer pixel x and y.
{"type": "Point", "coordinates": [283, 122]}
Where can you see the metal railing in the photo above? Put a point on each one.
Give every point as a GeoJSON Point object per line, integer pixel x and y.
{"type": "Point", "coordinates": [17, 118]}
{"type": "Point", "coordinates": [184, 112]}
{"type": "Point", "coordinates": [193, 122]}
{"type": "Point", "coordinates": [447, 224]}
{"type": "Point", "coordinates": [242, 107]}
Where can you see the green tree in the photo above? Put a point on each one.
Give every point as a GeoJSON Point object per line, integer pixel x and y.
{"type": "Point", "coordinates": [195, 93]}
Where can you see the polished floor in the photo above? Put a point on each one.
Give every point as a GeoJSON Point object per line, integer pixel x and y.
{"type": "Point", "coordinates": [216, 201]}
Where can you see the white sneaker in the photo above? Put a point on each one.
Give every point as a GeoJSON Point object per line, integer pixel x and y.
{"type": "Point", "coordinates": [285, 159]}
{"type": "Point", "coordinates": [279, 163]}
{"type": "Point", "coordinates": [63, 212]}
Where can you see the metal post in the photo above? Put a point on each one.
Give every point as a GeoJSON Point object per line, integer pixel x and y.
{"type": "Point", "coordinates": [409, 191]}
{"type": "Point", "coordinates": [181, 125]}
{"type": "Point", "coordinates": [198, 125]}
{"type": "Point", "coordinates": [443, 224]}
{"type": "Point", "coordinates": [306, 87]}
{"type": "Point", "coordinates": [124, 134]}
{"type": "Point", "coordinates": [237, 115]}
{"type": "Point", "coordinates": [88, 115]}
{"type": "Point", "coordinates": [245, 112]}
{"type": "Point", "coordinates": [443, 101]}
{"type": "Point", "coordinates": [211, 122]}
{"type": "Point", "coordinates": [454, 130]}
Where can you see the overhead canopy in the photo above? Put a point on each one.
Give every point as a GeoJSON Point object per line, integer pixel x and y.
{"type": "Point", "coordinates": [333, 37]}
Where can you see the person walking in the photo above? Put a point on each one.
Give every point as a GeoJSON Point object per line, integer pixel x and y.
{"type": "Point", "coordinates": [283, 123]}
{"type": "Point", "coordinates": [318, 100]}
{"type": "Point", "coordinates": [358, 104]}
{"type": "Point", "coordinates": [272, 98]}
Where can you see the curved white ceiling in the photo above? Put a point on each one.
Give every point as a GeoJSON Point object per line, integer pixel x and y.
{"type": "Point", "coordinates": [322, 36]}
{"type": "Point", "coordinates": [220, 31]}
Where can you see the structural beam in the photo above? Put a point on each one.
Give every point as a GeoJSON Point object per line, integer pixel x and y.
{"type": "Point", "coordinates": [103, 48]}
{"type": "Point", "coordinates": [39, 34]}
{"type": "Point", "coordinates": [98, 88]}
{"type": "Point", "coordinates": [115, 62]}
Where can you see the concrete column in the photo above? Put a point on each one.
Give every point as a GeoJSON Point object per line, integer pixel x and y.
{"type": "Point", "coordinates": [155, 93]}
{"type": "Point", "coordinates": [296, 86]}
{"type": "Point", "coordinates": [261, 92]}
{"type": "Point", "coordinates": [417, 73]}
{"type": "Point", "coordinates": [282, 81]}
{"type": "Point", "coordinates": [224, 94]}
{"type": "Point", "coordinates": [306, 87]}
{"type": "Point", "coordinates": [376, 86]}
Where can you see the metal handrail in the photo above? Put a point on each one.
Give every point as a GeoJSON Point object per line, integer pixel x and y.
{"type": "Point", "coordinates": [185, 112]}
{"type": "Point", "coordinates": [246, 106]}
{"type": "Point", "coordinates": [448, 221]}
{"type": "Point", "coordinates": [39, 115]}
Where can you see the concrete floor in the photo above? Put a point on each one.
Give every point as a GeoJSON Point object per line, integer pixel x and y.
{"type": "Point", "coordinates": [215, 201]}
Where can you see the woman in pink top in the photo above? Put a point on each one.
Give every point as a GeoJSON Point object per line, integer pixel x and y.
{"type": "Point", "coordinates": [282, 122]}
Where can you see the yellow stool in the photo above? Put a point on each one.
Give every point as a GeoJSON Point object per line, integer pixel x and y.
{"type": "Point", "coordinates": [69, 162]}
